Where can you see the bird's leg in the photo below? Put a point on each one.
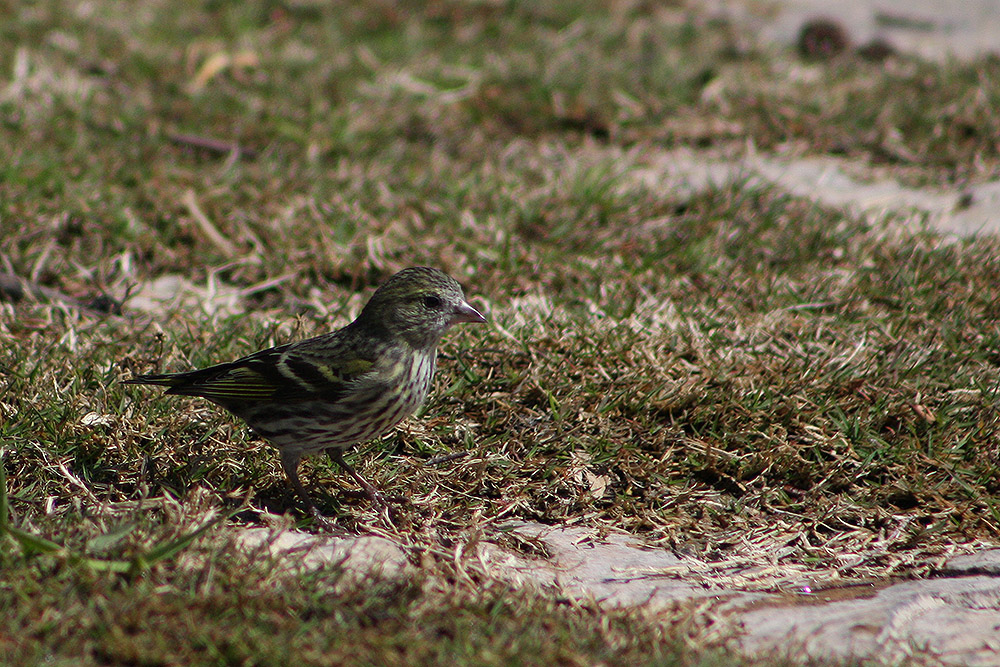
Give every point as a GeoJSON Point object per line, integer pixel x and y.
{"type": "Point", "coordinates": [290, 463]}
{"type": "Point", "coordinates": [373, 494]}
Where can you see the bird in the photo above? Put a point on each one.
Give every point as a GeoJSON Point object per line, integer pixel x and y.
{"type": "Point", "coordinates": [342, 388]}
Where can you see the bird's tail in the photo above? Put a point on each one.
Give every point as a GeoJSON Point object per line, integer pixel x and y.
{"type": "Point", "coordinates": [192, 383]}
{"type": "Point", "coordinates": [159, 379]}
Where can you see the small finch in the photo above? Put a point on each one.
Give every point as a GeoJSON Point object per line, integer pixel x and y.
{"type": "Point", "coordinates": [336, 390]}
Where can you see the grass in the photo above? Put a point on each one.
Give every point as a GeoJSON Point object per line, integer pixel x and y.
{"type": "Point", "coordinates": [733, 373]}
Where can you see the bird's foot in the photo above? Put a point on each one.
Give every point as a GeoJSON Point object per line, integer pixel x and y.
{"type": "Point", "coordinates": [325, 523]}
{"type": "Point", "coordinates": [383, 504]}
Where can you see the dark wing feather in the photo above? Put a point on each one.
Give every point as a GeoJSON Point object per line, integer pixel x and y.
{"type": "Point", "coordinates": [317, 368]}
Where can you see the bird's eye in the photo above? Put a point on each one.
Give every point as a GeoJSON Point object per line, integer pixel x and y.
{"type": "Point", "coordinates": [431, 301]}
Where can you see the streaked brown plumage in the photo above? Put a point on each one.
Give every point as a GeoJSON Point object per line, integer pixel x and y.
{"type": "Point", "coordinates": [335, 390]}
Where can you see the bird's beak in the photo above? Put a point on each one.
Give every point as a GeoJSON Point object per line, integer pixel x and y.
{"type": "Point", "coordinates": [466, 313]}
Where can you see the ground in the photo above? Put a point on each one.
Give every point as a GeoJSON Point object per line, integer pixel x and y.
{"type": "Point", "coordinates": [731, 371]}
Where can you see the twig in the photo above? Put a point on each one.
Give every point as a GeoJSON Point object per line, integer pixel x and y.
{"type": "Point", "coordinates": [446, 457]}
{"type": "Point", "coordinates": [210, 230]}
{"type": "Point", "coordinates": [211, 144]}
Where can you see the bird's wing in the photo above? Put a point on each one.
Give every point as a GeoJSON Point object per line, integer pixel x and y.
{"type": "Point", "coordinates": [285, 373]}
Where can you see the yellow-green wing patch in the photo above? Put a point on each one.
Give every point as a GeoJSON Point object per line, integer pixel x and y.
{"type": "Point", "coordinates": [234, 384]}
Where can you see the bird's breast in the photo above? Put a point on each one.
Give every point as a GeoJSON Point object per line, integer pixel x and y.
{"type": "Point", "coordinates": [418, 378]}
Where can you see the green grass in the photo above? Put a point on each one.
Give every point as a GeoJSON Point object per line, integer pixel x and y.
{"type": "Point", "coordinates": [734, 363]}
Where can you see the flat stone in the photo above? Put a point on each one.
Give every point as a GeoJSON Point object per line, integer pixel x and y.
{"type": "Point", "coordinates": [826, 181]}
{"type": "Point", "coordinates": [616, 569]}
{"type": "Point", "coordinates": [983, 562]}
{"type": "Point", "coordinates": [360, 557]}
{"type": "Point", "coordinates": [956, 620]}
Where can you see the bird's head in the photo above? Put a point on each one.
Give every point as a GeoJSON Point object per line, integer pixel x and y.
{"type": "Point", "coordinates": [418, 305]}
